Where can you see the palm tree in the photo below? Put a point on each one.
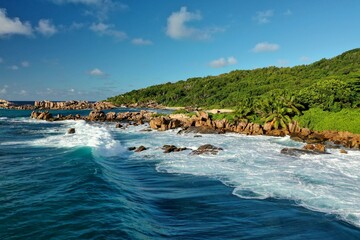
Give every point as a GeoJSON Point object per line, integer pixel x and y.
{"type": "Point", "coordinates": [279, 116]}
{"type": "Point", "coordinates": [278, 110]}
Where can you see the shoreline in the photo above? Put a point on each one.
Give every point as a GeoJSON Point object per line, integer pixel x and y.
{"type": "Point", "coordinates": [202, 123]}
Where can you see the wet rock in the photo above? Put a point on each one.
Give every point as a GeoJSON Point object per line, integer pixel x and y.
{"type": "Point", "coordinates": [146, 130]}
{"type": "Point", "coordinates": [197, 136]}
{"type": "Point", "coordinates": [315, 147]}
{"type": "Point", "coordinates": [71, 131]}
{"type": "Point", "coordinates": [118, 125]}
{"type": "Point", "coordinates": [206, 149]}
{"type": "Point", "coordinates": [172, 148]}
{"type": "Point", "coordinates": [140, 149]}
{"type": "Point", "coordinates": [343, 151]}
{"type": "Point", "coordinates": [131, 148]}
{"type": "Point", "coordinates": [201, 130]}
{"type": "Point", "coordinates": [299, 152]}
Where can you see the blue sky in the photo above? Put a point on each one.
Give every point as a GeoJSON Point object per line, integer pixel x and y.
{"type": "Point", "coordinates": [94, 49]}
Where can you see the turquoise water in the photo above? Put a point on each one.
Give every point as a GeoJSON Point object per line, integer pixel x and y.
{"type": "Point", "coordinates": [89, 186]}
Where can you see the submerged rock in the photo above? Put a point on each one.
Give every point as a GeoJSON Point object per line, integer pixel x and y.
{"type": "Point", "coordinates": [206, 149]}
{"type": "Point", "coordinates": [299, 152]}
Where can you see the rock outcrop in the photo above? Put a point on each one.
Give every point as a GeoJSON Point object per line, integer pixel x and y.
{"type": "Point", "coordinates": [298, 152]}
{"type": "Point", "coordinates": [73, 105]}
{"type": "Point", "coordinates": [41, 116]}
{"type": "Point", "coordinates": [172, 148]}
{"type": "Point", "coordinates": [140, 149]}
{"type": "Point", "coordinates": [206, 149]}
{"type": "Point", "coordinates": [202, 123]}
{"type": "Point", "coordinates": [97, 116]}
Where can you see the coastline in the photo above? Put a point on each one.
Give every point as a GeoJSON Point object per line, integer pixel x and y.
{"type": "Point", "coordinates": [202, 123]}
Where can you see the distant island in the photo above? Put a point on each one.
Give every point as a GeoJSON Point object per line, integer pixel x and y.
{"type": "Point", "coordinates": [324, 95]}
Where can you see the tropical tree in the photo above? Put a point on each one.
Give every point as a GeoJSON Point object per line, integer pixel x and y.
{"type": "Point", "coordinates": [278, 110]}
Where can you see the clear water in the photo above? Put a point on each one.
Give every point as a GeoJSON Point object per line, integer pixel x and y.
{"type": "Point", "coordinates": [89, 186]}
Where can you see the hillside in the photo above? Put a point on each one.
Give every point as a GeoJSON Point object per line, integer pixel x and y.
{"type": "Point", "coordinates": [334, 82]}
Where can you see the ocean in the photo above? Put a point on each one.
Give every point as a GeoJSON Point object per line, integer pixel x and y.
{"type": "Point", "coordinates": [88, 185]}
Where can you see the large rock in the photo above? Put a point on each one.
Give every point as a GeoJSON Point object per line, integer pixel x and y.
{"type": "Point", "coordinates": [315, 147]}
{"type": "Point", "coordinates": [163, 123]}
{"type": "Point", "coordinates": [41, 115]}
{"type": "Point", "coordinates": [294, 127]}
{"type": "Point", "coordinates": [203, 116]}
{"type": "Point", "coordinates": [240, 128]}
{"type": "Point", "coordinates": [207, 149]}
{"type": "Point", "coordinates": [110, 116]}
{"type": "Point", "coordinates": [315, 137]}
{"type": "Point", "coordinates": [97, 116]}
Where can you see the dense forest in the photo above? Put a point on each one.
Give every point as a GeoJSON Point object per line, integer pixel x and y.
{"type": "Point", "coordinates": [265, 94]}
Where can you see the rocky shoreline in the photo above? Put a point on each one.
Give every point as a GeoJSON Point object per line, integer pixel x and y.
{"type": "Point", "coordinates": [202, 123]}
{"type": "Point", "coordinates": [64, 105]}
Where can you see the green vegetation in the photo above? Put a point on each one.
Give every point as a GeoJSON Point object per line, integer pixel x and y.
{"type": "Point", "coordinates": [344, 120]}
{"type": "Point", "coordinates": [271, 94]}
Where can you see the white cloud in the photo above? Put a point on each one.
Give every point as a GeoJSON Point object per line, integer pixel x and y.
{"type": "Point", "coordinates": [107, 29]}
{"type": "Point", "coordinates": [140, 41]}
{"type": "Point", "coordinates": [177, 27]}
{"type": "Point", "coordinates": [10, 26]}
{"type": "Point", "coordinates": [76, 26]}
{"type": "Point", "coordinates": [25, 64]}
{"type": "Point", "coordinates": [96, 72]}
{"type": "Point", "coordinates": [263, 16]}
{"type": "Point", "coordinates": [288, 12]}
{"type": "Point", "coordinates": [13, 67]}
{"type": "Point", "coordinates": [96, 8]}
{"type": "Point", "coordinates": [266, 47]}
{"type": "Point", "coordinates": [23, 92]}
{"type": "Point", "coordinates": [222, 62]}
{"type": "Point", "coordinates": [304, 59]}
{"type": "Point", "coordinates": [86, 2]}
{"type": "Point", "coordinates": [4, 89]}
{"type": "Point", "coordinates": [46, 28]}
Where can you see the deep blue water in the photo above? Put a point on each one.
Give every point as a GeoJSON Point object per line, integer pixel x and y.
{"type": "Point", "coordinates": [88, 186]}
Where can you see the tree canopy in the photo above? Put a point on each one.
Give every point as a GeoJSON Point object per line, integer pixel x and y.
{"type": "Point", "coordinates": [329, 84]}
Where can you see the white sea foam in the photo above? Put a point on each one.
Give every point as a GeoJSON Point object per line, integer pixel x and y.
{"type": "Point", "coordinates": [254, 167]}
{"type": "Point", "coordinates": [98, 137]}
